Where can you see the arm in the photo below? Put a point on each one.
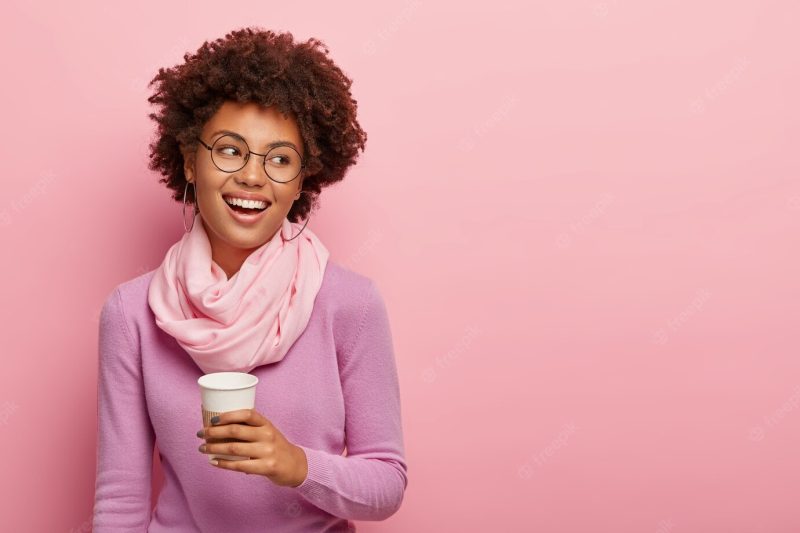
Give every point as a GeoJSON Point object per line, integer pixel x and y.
{"type": "Point", "coordinates": [125, 436]}
{"type": "Point", "coordinates": [368, 483]}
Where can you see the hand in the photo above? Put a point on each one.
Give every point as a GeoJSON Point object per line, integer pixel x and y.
{"type": "Point", "coordinates": [271, 455]}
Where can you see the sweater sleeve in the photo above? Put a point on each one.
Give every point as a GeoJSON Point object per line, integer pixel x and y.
{"type": "Point", "coordinates": [125, 437]}
{"type": "Point", "coordinates": [368, 483]}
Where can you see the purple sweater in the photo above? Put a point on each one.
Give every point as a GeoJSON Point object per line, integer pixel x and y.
{"type": "Point", "coordinates": [337, 387]}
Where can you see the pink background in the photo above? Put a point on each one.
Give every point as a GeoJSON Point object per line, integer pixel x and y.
{"type": "Point", "coordinates": [583, 217]}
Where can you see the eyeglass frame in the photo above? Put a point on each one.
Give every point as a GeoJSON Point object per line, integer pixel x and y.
{"type": "Point", "coordinates": [247, 158]}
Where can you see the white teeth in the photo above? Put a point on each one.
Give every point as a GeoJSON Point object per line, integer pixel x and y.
{"type": "Point", "coordinates": [250, 204]}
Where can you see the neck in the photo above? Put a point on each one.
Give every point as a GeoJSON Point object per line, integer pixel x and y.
{"type": "Point", "coordinates": [229, 258]}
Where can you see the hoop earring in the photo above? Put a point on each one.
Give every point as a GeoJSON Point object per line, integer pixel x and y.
{"type": "Point", "coordinates": [194, 208]}
{"type": "Point", "coordinates": [304, 225]}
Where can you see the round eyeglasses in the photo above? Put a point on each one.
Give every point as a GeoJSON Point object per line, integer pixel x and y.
{"type": "Point", "coordinates": [230, 153]}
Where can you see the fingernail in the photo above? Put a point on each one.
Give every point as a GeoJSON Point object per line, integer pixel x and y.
{"type": "Point", "coordinates": [200, 433]}
{"type": "Point", "coordinates": [202, 448]}
{"type": "Point", "coordinates": [214, 462]}
{"type": "Point", "coordinates": [214, 419]}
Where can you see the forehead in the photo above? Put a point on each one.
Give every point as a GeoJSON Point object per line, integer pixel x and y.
{"type": "Point", "coordinates": [258, 124]}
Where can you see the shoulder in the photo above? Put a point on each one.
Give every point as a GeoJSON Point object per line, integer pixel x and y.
{"type": "Point", "coordinates": [342, 281]}
{"type": "Point", "coordinates": [353, 301]}
{"type": "Point", "coordinates": [124, 302]}
{"type": "Point", "coordinates": [347, 291]}
{"type": "Point", "coordinates": [132, 290]}
{"type": "Point", "coordinates": [341, 288]}
{"type": "Point", "coordinates": [346, 297]}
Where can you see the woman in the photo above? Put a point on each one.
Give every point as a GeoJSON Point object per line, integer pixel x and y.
{"type": "Point", "coordinates": [250, 129]}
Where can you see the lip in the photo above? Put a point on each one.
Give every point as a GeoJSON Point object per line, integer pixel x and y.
{"type": "Point", "coordinates": [243, 219]}
{"type": "Point", "coordinates": [246, 196]}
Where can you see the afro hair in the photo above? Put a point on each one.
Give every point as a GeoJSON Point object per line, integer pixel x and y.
{"type": "Point", "coordinates": [257, 65]}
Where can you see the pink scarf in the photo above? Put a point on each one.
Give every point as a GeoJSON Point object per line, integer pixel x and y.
{"type": "Point", "coordinates": [249, 320]}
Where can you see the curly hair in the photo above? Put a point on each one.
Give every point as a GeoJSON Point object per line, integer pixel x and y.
{"type": "Point", "coordinates": [256, 65]}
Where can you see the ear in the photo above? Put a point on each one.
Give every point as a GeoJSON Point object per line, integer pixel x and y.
{"type": "Point", "coordinates": [188, 163]}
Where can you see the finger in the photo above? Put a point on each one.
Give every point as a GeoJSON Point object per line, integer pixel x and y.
{"type": "Point", "coordinates": [243, 416]}
{"type": "Point", "coordinates": [245, 449]}
{"type": "Point", "coordinates": [231, 431]}
{"type": "Point", "coordinates": [247, 466]}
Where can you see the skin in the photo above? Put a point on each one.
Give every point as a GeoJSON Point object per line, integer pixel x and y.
{"type": "Point", "coordinates": [272, 455]}
{"type": "Point", "coordinates": [231, 242]}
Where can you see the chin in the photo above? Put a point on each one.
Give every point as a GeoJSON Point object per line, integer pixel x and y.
{"type": "Point", "coordinates": [242, 237]}
{"type": "Point", "coordinates": [249, 242]}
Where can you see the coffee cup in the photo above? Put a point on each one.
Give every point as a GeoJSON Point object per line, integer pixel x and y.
{"type": "Point", "coordinates": [225, 391]}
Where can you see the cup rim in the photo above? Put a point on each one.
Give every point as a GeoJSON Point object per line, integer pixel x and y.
{"type": "Point", "coordinates": [204, 377]}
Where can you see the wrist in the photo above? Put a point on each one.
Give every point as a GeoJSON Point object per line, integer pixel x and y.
{"type": "Point", "coordinates": [302, 466]}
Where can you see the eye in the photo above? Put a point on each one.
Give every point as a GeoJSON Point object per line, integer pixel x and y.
{"type": "Point", "coordinates": [229, 150]}
{"type": "Point", "coordinates": [280, 160]}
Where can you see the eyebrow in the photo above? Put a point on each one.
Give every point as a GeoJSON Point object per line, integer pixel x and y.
{"type": "Point", "coordinates": [273, 144]}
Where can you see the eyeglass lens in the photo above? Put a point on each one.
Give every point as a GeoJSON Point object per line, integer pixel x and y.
{"type": "Point", "coordinates": [230, 153]}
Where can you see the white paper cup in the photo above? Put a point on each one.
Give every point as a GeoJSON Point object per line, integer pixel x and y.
{"type": "Point", "coordinates": [226, 391]}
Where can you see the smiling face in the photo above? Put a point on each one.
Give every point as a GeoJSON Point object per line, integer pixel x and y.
{"type": "Point", "coordinates": [232, 239]}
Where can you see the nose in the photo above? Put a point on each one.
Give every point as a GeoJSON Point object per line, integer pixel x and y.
{"type": "Point", "coordinates": [252, 173]}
